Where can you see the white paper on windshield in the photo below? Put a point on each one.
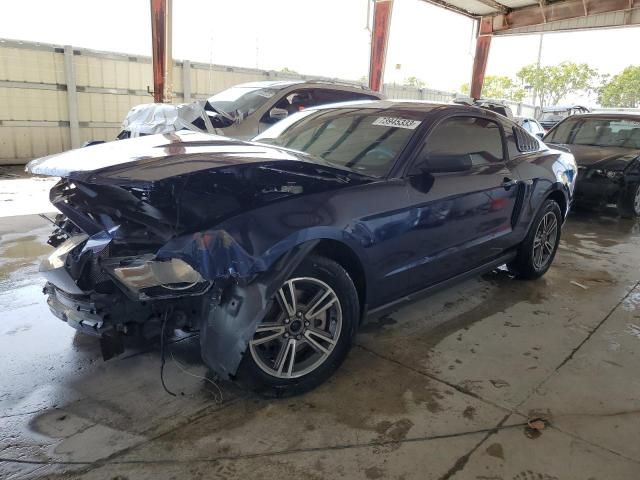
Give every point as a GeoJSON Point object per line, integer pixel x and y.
{"type": "Point", "coordinates": [397, 122]}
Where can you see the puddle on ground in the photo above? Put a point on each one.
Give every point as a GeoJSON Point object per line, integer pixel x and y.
{"type": "Point", "coordinates": [633, 329]}
{"type": "Point", "coordinates": [366, 393]}
{"type": "Point", "coordinates": [19, 253]}
{"type": "Point", "coordinates": [632, 302]}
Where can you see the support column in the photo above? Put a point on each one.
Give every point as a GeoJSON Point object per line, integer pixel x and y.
{"type": "Point", "coordinates": [379, 40]}
{"type": "Point", "coordinates": [161, 46]}
{"type": "Point", "coordinates": [72, 96]}
{"type": "Point", "coordinates": [186, 81]}
{"type": "Point", "coordinates": [483, 45]}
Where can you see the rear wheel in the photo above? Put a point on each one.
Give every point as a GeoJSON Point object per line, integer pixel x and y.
{"type": "Point", "coordinates": [307, 332]}
{"type": "Point", "coordinates": [629, 201]}
{"type": "Point", "coordinates": [537, 251]}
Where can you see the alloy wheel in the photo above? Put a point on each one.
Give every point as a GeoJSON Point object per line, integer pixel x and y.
{"type": "Point", "coordinates": [545, 240]}
{"type": "Point", "coordinates": [300, 330]}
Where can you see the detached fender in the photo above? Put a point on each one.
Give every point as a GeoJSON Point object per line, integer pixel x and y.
{"type": "Point", "coordinates": [232, 314]}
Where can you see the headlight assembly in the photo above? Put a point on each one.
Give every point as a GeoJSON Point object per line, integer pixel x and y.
{"type": "Point", "coordinates": [155, 278]}
{"type": "Point", "coordinates": [610, 174]}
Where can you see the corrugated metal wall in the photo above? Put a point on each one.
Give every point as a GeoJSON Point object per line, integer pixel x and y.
{"type": "Point", "coordinates": [34, 102]}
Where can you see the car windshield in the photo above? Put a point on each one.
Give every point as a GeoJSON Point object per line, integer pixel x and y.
{"type": "Point", "coordinates": [242, 100]}
{"type": "Point", "coordinates": [367, 141]}
{"type": "Point", "coordinates": [599, 132]}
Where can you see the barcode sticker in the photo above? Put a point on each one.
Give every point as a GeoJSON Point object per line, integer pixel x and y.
{"type": "Point", "coordinates": [397, 122]}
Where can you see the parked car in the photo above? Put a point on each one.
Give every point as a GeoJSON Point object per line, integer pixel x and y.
{"type": "Point", "coordinates": [492, 105]}
{"type": "Point", "coordinates": [551, 116]}
{"type": "Point", "coordinates": [531, 125]}
{"type": "Point", "coordinates": [242, 111]}
{"type": "Point", "coordinates": [276, 251]}
{"type": "Point", "coordinates": [607, 150]}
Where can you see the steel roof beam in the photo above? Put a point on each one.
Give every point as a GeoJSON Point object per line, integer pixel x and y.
{"type": "Point", "coordinates": [552, 12]}
{"type": "Point", "coordinates": [451, 7]}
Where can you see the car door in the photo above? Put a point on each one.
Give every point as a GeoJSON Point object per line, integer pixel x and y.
{"type": "Point", "coordinates": [464, 197]}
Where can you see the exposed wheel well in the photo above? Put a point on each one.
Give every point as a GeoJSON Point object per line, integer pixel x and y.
{"type": "Point", "coordinates": [347, 258]}
{"type": "Point", "coordinates": [561, 200]}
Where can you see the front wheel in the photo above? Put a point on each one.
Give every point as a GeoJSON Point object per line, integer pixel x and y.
{"type": "Point", "coordinates": [629, 201]}
{"type": "Point", "coordinates": [307, 332]}
{"type": "Point", "coordinates": [537, 251]}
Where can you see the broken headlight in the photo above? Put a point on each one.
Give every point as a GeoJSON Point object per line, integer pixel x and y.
{"type": "Point", "coordinates": [151, 278]}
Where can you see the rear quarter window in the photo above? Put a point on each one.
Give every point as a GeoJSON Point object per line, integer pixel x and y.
{"type": "Point", "coordinates": [524, 141]}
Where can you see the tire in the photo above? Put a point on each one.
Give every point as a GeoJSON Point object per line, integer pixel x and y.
{"type": "Point", "coordinates": [528, 265]}
{"type": "Point", "coordinates": [258, 369]}
{"type": "Point", "coordinates": [629, 201]}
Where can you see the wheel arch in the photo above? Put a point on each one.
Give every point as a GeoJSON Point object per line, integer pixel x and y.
{"type": "Point", "coordinates": [558, 196]}
{"type": "Point", "coordinates": [344, 255]}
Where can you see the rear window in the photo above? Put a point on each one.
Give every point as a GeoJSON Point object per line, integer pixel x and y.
{"type": "Point", "coordinates": [364, 140]}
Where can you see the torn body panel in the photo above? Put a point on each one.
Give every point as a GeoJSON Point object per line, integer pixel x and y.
{"type": "Point", "coordinates": [232, 315]}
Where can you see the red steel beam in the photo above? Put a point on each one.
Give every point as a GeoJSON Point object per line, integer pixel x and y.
{"type": "Point", "coordinates": [552, 12]}
{"type": "Point", "coordinates": [379, 40]}
{"type": "Point", "coordinates": [483, 45]}
{"type": "Point", "coordinates": [161, 47]}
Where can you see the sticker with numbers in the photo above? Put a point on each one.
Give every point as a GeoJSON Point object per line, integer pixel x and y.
{"type": "Point", "coordinates": [397, 122]}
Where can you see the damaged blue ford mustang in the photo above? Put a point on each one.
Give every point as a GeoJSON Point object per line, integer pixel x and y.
{"type": "Point", "coordinates": [276, 249]}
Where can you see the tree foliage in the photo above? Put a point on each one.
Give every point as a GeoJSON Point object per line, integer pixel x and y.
{"type": "Point", "coordinates": [413, 82]}
{"type": "Point", "coordinates": [499, 87]}
{"type": "Point", "coordinates": [554, 82]}
{"type": "Point", "coordinates": [623, 90]}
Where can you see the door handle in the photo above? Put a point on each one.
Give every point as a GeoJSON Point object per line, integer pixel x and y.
{"type": "Point", "coordinates": [507, 183]}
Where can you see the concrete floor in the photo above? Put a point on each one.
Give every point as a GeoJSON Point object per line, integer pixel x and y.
{"type": "Point", "coordinates": [440, 389]}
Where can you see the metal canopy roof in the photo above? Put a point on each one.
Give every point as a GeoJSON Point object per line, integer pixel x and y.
{"type": "Point", "coordinates": [529, 16]}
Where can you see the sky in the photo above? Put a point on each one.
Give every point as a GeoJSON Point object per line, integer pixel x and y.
{"type": "Point", "coordinates": [328, 37]}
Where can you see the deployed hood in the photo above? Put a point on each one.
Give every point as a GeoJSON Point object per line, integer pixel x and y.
{"type": "Point", "coordinates": [611, 158]}
{"type": "Point", "coordinates": [156, 157]}
{"type": "Point", "coordinates": [150, 189]}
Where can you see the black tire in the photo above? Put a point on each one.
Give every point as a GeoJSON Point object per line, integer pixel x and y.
{"type": "Point", "coordinates": [629, 201]}
{"type": "Point", "coordinates": [524, 265]}
{"type": "Point", "coordinates": [251, 376]}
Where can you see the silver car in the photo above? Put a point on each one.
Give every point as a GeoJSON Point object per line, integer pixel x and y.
{"type": "Point", "coordinates": [531, 125]}
{"type": "Point", "coordinates": [242, 111]}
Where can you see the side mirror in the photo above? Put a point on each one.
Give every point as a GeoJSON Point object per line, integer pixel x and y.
{"type": "Point", "coordinates": [278, 114]}
{"type": "Point", "coordinates": [447, 163]}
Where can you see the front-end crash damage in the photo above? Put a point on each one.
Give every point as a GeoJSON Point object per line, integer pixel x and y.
{"type": "Point", "coordinates": [133, 253]}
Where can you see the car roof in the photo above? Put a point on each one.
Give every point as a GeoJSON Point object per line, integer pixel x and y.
{"type": "Point", "coordinates": [559, 108]}
{"type": "Point", "coordinates": [414, 106]}
{"type": "Point", "coordinates": [608, 116]}
{"type": "Point", "coordinates": [279, 84]}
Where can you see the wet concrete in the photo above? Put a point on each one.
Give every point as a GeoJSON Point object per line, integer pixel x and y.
{"type": "Point", "coordinates": [438, 389]}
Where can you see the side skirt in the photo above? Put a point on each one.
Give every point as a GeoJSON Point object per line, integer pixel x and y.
{"type": "Point", "coordinates": [379, 311]}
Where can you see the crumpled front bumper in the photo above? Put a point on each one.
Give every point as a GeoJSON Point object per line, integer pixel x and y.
{"type": "Point", "coordinates": [595, 190]}
{"type": "Point", "coordinates": [81, 313]}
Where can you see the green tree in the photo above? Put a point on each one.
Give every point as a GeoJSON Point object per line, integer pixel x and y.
{"type": "Point", "coordinates": [413, 82]}
{"type": "Point", "coordinates": [554, 82]}
{"type": "Point", "coordinates": [623, 90]}
{"type": "Point", "coordinates": [498, 87]}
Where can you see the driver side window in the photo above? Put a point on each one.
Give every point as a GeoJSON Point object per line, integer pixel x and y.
{"type": "Point", "coordinates": [292, 102]}
{"type": "Point", "coordinates": [466, 140]}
